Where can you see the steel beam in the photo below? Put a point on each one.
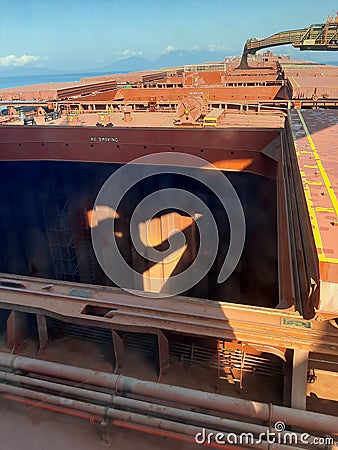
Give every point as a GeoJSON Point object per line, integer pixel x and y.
{"type": "Point", "coordinates": [310, 38]}
{"type": "Point", "coordinates": [255, 325]}
{"type": "Point", "coordinates": [299, 379]}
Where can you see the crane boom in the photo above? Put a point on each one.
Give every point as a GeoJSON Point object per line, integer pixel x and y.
{"type": "Point", "coordinates": [322, 36]}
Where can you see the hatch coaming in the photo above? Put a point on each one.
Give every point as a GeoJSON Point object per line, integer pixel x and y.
{"type": "Point", "coordinates": [56, 173]}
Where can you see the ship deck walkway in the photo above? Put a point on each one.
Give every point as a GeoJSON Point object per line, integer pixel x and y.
{"type": "Point", "coordinates": [315, 135]}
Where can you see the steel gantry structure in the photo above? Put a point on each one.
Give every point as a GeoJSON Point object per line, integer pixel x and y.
{"type": "Point", "coordinates": [323, 36]}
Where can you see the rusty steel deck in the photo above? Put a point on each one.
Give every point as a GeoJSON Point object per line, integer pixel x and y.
{"type": "Point", "coordinates": [315, 134]}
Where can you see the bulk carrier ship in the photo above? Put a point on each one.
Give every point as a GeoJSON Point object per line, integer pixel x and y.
{"type": "Point", "coordinates": [97, 350]}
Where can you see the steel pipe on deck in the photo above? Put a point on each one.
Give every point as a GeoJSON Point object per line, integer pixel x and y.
{"type": "Point", "coordinates": [219, 423]}
{"type": "Point", "coordinates": [122, 384]}
{"type": "Point", "coordinates": [113, 414]}
{"type": "Point", "coordinates": [97, 419]}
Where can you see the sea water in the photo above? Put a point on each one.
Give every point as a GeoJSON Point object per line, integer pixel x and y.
{"type": "Point", "coordinates": [14, 81]}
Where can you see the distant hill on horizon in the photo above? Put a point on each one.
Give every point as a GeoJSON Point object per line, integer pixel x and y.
{"type": "Point", "coordinates": [129, 64]}
{"type": "Point", "coordinates": [134, 63]}
{"type": "Point", "coordinates": [171, 59]}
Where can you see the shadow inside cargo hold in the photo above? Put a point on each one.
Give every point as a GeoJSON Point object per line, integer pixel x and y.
{"type": "Point", "coordinates": [45, 206]}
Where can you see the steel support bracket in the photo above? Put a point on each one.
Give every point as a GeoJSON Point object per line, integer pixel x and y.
{"type": "Point", "coordinates": [118, 350]}
{"type": "Point", "coordinates": [106, 432]}
{"type": "Point", "coordinates": [42, 331]}
{"type": "Point", "coordinates": [163, 353]}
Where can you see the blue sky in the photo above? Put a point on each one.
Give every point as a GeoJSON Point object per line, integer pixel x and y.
{"type": "Point", "coordinates": [71, 34]}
